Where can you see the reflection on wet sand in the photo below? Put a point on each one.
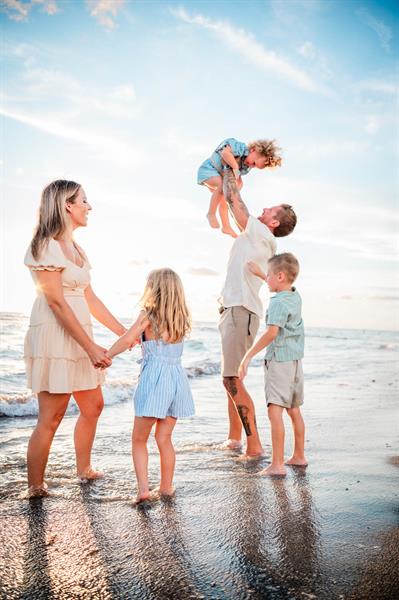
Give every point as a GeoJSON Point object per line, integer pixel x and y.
{"type": "Point", "coordinates": [36, 581]}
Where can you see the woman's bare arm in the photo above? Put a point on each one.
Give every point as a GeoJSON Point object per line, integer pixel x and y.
{"type": "Point", "coordinates": [102, 314]}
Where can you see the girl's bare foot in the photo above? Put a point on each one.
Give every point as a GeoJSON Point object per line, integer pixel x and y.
{"type": "Point", "coordinates": [231, 445]}
{"type": "Point", "coordinates": [157, 493]}
{"type": "Point", "coordinates": [213, 222]}
{"type": "Point", "coordinates": [89, 474]}
{"type": "Point", "coordinates": [229, 231]}
{"type": "Point", "coordinates": [37, 491]}
{"type": "Point", "coordinates": [274, 471]}
{"type": "Point", "coordinates": [297, 462]}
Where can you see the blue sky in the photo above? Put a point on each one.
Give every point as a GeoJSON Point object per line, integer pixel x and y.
{"type": "Point", "coordinates": [128, 98]}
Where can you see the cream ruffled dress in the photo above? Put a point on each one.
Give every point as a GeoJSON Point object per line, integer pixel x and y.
{"type": "Point", "coordinates": [54, 361]}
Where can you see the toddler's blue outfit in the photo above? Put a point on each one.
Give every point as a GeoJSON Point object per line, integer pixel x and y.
{"type": "Point", "coordinates": [163, 389]}
{"type": "Point", "coordinates": [213, 166]}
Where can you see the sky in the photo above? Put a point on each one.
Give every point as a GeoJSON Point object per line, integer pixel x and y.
{"type": "Point", "coordinates": [129, 97]}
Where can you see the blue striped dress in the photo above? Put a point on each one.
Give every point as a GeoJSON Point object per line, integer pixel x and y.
{"type": "Point", "coordinates": [163, 389]}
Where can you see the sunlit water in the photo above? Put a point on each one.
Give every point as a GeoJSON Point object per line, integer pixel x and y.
{"type": "Point", "coordinates": [326, 532]}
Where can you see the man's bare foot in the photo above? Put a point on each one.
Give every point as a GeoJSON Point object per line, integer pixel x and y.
{"type": "Point", "coordinates": [229, 231]}
{"type": "Point", "coordinates": [212, 220]}
{"type": "Point", "coordinates": [231, 444]}
{"type": "Point", "coordinates": [89, 474]}
{"type": "Point", "coordinates": [157, 493]}
{"type": "Point", "coordinates": [37, 491]}
{"type": "Point", "coordinates": [274, 471]}
{"type": "Point", "coordinates": [297, 462]}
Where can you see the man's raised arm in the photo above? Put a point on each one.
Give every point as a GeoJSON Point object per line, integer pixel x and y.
{"type": "Point", "coordinates": [234, 200]}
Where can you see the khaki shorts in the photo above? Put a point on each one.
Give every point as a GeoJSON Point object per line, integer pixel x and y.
{"type": "Point", "coordinates": [284, 383]}
{"type": "Point", "coordinates": [238, 327]}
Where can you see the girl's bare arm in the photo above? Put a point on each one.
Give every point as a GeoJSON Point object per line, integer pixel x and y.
{"type": "Point", "coordinates": [129, 339]}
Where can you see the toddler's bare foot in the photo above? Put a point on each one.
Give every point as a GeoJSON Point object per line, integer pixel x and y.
{"type": "Point", "coordinates": [229, 231]}
{"type": "Point", "coordinates": [213, 222]}
{"type": "Point", "coordinates": [231, 444]}
{"type": "Point", "coordinates": [274, 471]}
{"type": "Point", "coordinates": [297, 462]}
{"type": "Point", "coordinates": [37, 491]}
{"type": "Point", "coordinates": [89, 474]}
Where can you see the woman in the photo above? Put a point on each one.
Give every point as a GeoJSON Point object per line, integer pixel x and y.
{"type": "Point", "coordinates": [60, 354]}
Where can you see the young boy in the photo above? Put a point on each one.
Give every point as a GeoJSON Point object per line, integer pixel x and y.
{"type": "Point", "coordinates": [284, 339]}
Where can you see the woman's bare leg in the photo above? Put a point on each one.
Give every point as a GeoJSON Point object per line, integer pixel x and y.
{"type": "Point", "coordinates": [52, 408]}
{"type": "Point", "coordinates": [141, 431]}
{"type": "Point", "coordinates": [163, 437]}
{"type": "Point", "coordinates": [90, 403]}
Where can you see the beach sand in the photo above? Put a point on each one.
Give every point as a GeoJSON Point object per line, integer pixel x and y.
{"type": "Point", "coordinates": [328, 531]}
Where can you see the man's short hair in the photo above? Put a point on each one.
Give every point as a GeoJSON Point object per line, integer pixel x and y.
{"type": "Point", "coordinates": [287, 218]}
{"type": "Point", "coordinates": [287, 263]}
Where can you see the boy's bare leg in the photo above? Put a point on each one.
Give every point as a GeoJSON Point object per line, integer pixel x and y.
{"type": "Point", "coordinates": [141, 431]}
{"type": "Point", "coordinates": [224, 217]}
{"type": "Point", "coordinates": [215, 186]}
{"type": "Point", "coordinates": [163, 438]}
{"type": "Point", "coordinates": [277, 467]}
{"type": "Point", "coordinates": [246, 411]}
{"type": "Point", "coordinates": [298, 425]}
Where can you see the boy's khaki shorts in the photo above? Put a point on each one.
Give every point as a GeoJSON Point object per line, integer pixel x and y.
{"type": "Point", "coordinates": [284, 383]}
{"type": "Point", "coordinates": [238, 327]}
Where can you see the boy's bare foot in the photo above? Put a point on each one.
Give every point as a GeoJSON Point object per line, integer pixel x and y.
{"type": "Point", "coordinates": [141, 497]}
{"type": "Point", "coordinates": [249, 457]}
{"type": "Point", "coordinates": [231, 445]}
{"type": "Point", "coordinates": [89, 474]}
{"type": "Point", "coordinates": [37, 491]}
{"type": "Point", "coordinates": [213, 222]}
{"type": "Point", "coordinates": [229, 231]}
{"type": "Point", "coordinates": [157, 493]}
{"type": "Point", "coordinates": [297, 462]}
{"type": "Point", "coordinates": [274, 471]}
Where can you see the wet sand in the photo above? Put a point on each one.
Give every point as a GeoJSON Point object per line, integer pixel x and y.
{"type": "Point", "coordinates": [328, 531]}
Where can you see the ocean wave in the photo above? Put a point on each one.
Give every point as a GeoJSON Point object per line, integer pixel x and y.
{"type": "Point", "coordinates": [203, 368]}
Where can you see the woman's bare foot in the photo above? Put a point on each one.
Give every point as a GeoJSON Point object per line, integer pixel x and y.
{"type": "Point", "coordinates": [274, 471]}
{"type": "Point", "coordinates": [89, 474]}
{"type": "Point", "coordinates": [212, 220]}
{"type": "Point", "coordinates": [231, 445]}
{"type": "Point", "coordinates": [229, 231]}
{"type": "Point", "coordinates": [37, 491]}
{"type": "Point", "coordinates": [297, 462]}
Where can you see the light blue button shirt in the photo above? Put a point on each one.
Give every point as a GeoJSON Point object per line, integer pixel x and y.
{"type": "Point", "coordinates": [285, 311]}
{"type": "Point", "coordinates": [213, 165]}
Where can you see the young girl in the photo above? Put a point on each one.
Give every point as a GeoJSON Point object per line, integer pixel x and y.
{"type": "Point", "coordinates": [163, 393]}
{"type": "Point", "coordinates": [241, 158]}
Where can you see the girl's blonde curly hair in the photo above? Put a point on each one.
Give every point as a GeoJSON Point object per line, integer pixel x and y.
{"type": "Point", "coordinates": [268, 149]}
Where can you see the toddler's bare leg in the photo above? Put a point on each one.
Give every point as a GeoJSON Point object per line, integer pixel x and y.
{"type": "Point", "coordinates": [277, 467]}
{"type": "Point", "coordinates": [141, 431]}
{"type": "Point", "coordinates": [298, 425]}
{"type": "Point", "coordinates": [224, 217]}
{"type": "Point", "coordinates": [163, 437]}
{"type": "Point", "coordinates": [215, 186]}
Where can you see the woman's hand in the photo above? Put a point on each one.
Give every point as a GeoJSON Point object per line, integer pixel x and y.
{"type": "Point", "coordinates": [98, 357]}
{"type": "Point", "coordinates": [243, 368]}
{"type": "Point", "coordinates": [255, 269]}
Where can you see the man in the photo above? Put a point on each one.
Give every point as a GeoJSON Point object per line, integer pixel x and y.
{"type": "Point", "coordinates": [241, 306]}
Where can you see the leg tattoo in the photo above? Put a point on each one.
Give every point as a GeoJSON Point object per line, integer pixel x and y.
{"type": "Point", "coordinates": [243, 412]}
{"type": "Point", "coordinates": [231, 386]}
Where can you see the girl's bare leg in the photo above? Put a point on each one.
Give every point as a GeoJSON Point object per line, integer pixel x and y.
{"type": "Point", "coordinates": [214, 184]}
{"type": "Point", "coordinates": [52, 408]}
{"type": "Point", "coordinates": [91, 404]}
{"type": "Point", "coordinates": [141, 431]}
{"type": "Point", "coordinates": [224, 217]}
{"type": "Point", "coordinates": [163, 437]}
{"type": "Point", "coordinates": [277, 467]}
{"type": "Point", "coordinates": [298, 425]}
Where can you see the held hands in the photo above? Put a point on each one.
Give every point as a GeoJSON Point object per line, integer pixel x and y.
{"type": "Point", "coordinates": [98, 356]}
{"type": "Point", "coordinates": [255, 269]}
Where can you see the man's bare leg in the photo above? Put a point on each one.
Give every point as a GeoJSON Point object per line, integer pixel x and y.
{"type": "Point", "coordinates": [246, 412]}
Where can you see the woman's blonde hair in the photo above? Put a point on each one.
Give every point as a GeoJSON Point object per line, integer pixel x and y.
{"type": "Point", "coordinates": [165, 305]}
{"type": "Point", "coordinates": [53, 220]}
{"type": "Point", "coordinates": [268, 149]}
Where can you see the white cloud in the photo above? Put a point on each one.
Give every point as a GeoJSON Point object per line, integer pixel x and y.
{"type": "Point", "coordinates": [247, 46]}
{"type": "Point", "coordinates": [105, 11]}
{"type": "Point", "coordinates": [388, 87]}
{"type": "Point", "coordinates": [382, 30]}
{"type": "Point", "coordinates": [19, 11]}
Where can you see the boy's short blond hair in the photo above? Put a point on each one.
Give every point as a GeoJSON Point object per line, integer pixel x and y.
{"type": "Point", "coordinates": [268, 149]}
{"type": "Point", "coordinates": [287, 263]}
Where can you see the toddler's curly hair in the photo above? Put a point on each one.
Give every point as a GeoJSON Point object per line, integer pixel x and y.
{"type": "Point", "coordinates": [268, 149]}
